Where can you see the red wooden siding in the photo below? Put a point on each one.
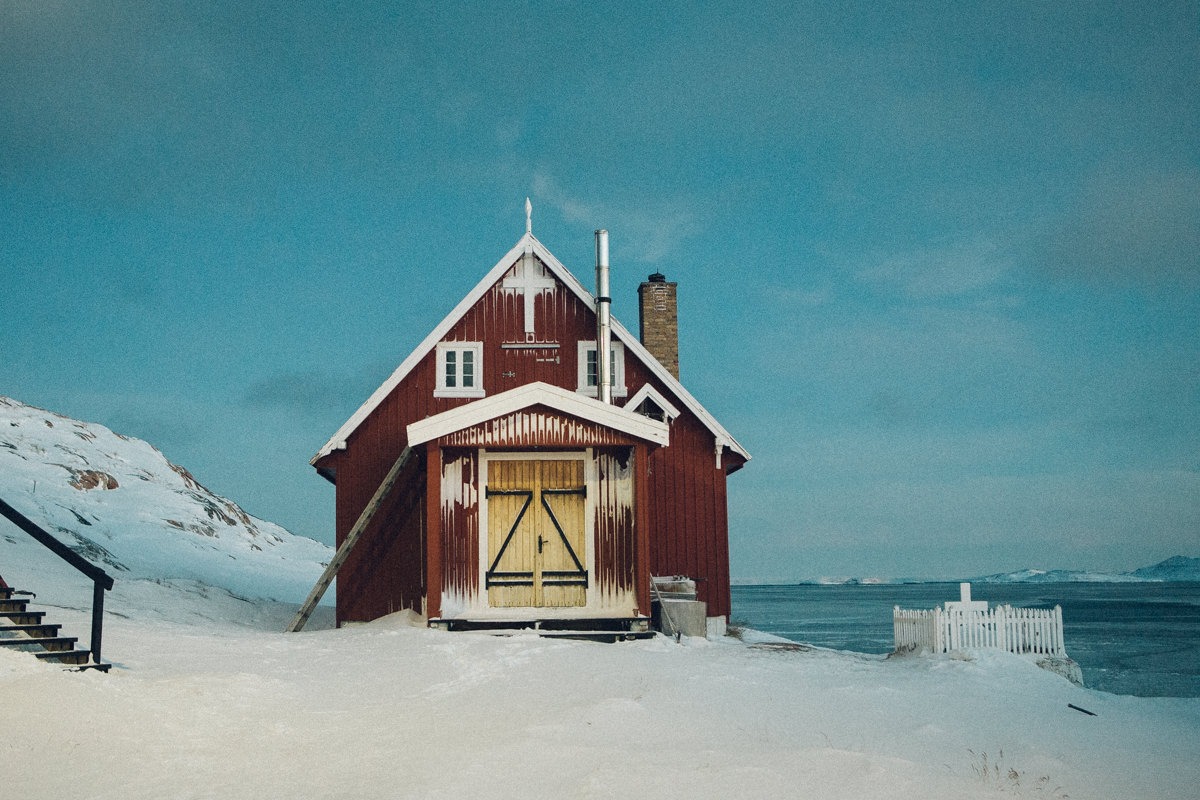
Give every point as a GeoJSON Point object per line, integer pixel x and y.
{"type": "Point", "coordinates": [689, 533]}
{"type": "Point", "coordinates": [536, 427]}
{"type": "Point", "coordinates": [386, 570]}
{"type": "Point", "coordinates": [615, 539]}
{"type": "Point", "coordinates": [499, 318]}
{"type": "Point", "coordinates": [689, 528]}
{"type": "Point", "coordinates": [460, 529]}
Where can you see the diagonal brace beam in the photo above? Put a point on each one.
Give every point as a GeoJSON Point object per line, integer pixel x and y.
{"type": "Point", "coordinates": [343, 552]}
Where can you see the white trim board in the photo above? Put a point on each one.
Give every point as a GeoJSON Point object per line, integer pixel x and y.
{"type": "Point", "coordinates": [531, 394]}
{"type": "Point", "coordinates": [648, 392]}
{"type": "Point", "coordinates": [632, 345]}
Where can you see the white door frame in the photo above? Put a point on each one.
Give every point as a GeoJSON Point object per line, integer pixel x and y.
{"type": "Point", "coordinates": [589, 529]}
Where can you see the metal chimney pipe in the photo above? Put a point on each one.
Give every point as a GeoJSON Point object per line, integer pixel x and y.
{"type": "Point", "coordinates": [604, 376]}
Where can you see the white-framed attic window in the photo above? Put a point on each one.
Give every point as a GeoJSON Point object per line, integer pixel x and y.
{"type": "Point", "coordinates": [587, 371]}
{"type": "Point", "coordinates": [459, 369]}
{"type": "Point", "coordinates": [649, 402]}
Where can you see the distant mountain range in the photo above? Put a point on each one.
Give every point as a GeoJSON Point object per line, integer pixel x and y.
{"type": "Point", "coordinates": [119, 503]}
{"type": "Point", "coordinates": [1176, 568]}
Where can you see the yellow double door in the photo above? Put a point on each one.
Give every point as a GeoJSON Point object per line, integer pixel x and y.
{"type": "Point", "coordinates": [535, 532]}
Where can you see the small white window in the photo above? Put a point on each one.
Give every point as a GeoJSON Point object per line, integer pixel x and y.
{"type": "Point", "coordinates": [588, 374]}
{"type": "Point", "coordinates": [459, 369]}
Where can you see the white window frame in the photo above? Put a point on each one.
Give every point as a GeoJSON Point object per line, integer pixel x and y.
{"type": "Point", "coordinates": [648, 392]}
{"type": "Point", "coordinates": [458, 348]}
{"type": "Point", "coordinates": [618, 377]}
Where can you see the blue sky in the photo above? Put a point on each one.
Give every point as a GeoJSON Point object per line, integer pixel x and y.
{"type": "Point", "coordinates": [939, 263]}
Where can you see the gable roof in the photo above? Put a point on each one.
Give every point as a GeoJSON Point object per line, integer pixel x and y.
{"type": "Point", "coordinates": [527, 243]}
{"type": "Point", "coordinates": [539, 394]}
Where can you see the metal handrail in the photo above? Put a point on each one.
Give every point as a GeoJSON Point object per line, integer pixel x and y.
{"type": "Point", "coordinates": [101, 580]}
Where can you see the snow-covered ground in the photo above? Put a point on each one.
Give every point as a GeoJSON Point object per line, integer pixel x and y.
{"type": "Point", "coordinates": [208, 699]}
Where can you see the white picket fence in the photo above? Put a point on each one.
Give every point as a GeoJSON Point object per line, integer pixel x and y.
{"type": "Point", "coordinates": [1017, 630]}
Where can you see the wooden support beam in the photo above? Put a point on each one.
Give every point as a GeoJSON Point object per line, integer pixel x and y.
{"type": "Point", "coordinates": [641, 498]}
{"type": "Point", "coordinates": [343, 552]}
{"type": "Point", "coordinates": [97, 619]}
{"type": "Point", "coordinates": [433, 531]}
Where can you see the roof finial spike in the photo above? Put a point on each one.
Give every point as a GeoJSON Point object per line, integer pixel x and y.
{"type": "Point", "coordinates": [528, 216]}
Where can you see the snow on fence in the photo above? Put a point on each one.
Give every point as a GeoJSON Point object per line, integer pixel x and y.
{"type": "Point", "coordinates": [1017, 630]}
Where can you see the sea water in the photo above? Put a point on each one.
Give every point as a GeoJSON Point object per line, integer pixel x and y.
{"type": "Point", "coordinates": [1128, 638]}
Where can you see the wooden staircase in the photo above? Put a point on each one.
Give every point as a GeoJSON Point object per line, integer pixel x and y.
{"type": "Point", "coordinates": [22, 629]}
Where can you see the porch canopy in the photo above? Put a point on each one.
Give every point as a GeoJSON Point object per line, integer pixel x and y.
{"type": "Point", "coordinates": [605, 563]}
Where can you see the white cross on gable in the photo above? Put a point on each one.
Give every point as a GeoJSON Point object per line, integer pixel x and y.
{"type": "Point", "coordinates": [529, 280]}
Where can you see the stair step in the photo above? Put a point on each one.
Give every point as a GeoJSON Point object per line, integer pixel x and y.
{"type": "Point", "coordinates": [36, 630]}
{"type": "Point", "coordinates": [599, 636]}
{"type": "Point", "coordinates": [609, 637]}
{"type": "Point", "coordinates": [572, 624]}
{"type": "Point", "coordinates": [25, 630]}
{"type": "Point", "coordinates": [53, 643]}
{"type": "Point", "coordinates": [79, 658]}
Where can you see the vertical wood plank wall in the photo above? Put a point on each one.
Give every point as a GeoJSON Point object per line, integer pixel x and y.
{"type": "Point", "coordinates": [615, 535]}
{"type": "Point", "coordinates": [460, 527]}
{"type": "Point", "coordinates": [689, 527]}
{"type": "Point", "coordinates": [435, 540]}
{"type": "Point", "coordinates": [385, 572]}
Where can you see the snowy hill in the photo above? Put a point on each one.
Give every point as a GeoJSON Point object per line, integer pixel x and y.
{"type": "Point", "coordinates": [119, 503]}
{"type": "Point", "coordinates": [1055, 576]}
{"type": "Point", "coordinates": [1176, 568]}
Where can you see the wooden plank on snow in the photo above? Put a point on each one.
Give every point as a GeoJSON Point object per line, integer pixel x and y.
{"type": "Point", "coordinates": [343, 552]}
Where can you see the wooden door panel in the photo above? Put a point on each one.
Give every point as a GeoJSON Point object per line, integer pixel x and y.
{"type": "Point", "coordinates": [536, 538]}
{"type": "Point", "coordinates": [512, 533]}
{"type": "Point", "coordinates": [564, 574]}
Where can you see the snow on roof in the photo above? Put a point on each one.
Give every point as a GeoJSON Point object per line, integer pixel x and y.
{"type": "Point", "coordinates": [632, 344]}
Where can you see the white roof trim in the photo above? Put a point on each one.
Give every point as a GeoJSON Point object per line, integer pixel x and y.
{"type": "Point", "coordinates": [338, 440]}
{"type": "Point", "coordinates": [648, 391]}
{"type": "Point", "coordinates": [531, 394]}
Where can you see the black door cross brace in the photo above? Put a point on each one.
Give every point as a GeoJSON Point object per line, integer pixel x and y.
{"type": "Point", "coordinates": [497, 577]}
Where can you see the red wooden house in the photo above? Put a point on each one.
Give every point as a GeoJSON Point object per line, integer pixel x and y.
{"type": "Point", "coordinates": [505, 490]}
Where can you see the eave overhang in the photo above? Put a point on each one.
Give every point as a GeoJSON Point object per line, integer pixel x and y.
{"type": "Point", "coordinates": [545, 395]}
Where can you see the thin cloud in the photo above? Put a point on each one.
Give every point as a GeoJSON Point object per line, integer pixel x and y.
{"type": "Point", "coordinates": [958, 269]}
{"type": "Point", "coordinates": [296, 391]}
{"type": "Point", "coordinates": [1141, 229]}
{"type": "Point", "coordinates": [653, 234]}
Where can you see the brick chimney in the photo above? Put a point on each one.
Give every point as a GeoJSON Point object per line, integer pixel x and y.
{"type": "Point", "coordinates": [659, 319]}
